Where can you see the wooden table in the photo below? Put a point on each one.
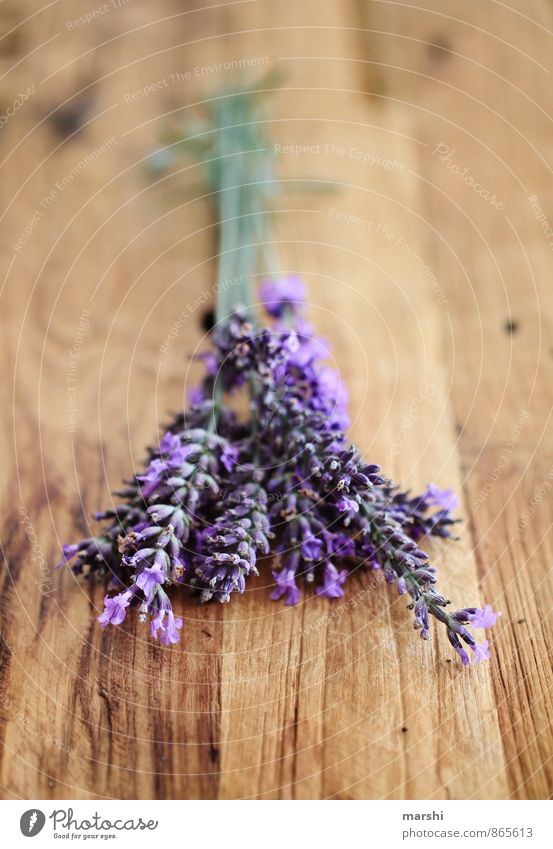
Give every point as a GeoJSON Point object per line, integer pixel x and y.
{"type": "Point", "coordinates": [431, 273]}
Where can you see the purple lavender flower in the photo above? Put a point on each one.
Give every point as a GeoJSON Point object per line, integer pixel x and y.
{"type": "Point", "coordinates": [165, 625]}
{"type": "Point", "coordinates": [332, 395]}
{"type": "Point", "coordinates": [462, 654]}
{"type": "Point", "coordinates": [229, 457]}
{"type": "Point", "coordinates": [333, 580]}
{"type": "Point", "coordinates": [345, 504]}
{"type": "Point", "coordinates": [150, 578]}
{"type": "Point", "coordinates": [310, 348]}
{"type": "Point", "coordinates": [445, 499]}
{"type": "Point", "coordinates": [144, 545]}
{"type": "Point", "coordinates": [195, 395]}
{"type": "Point", "coordinates": [152, 476]}
{"type": "Point", "coordinates": [210, 362]}
{"type": "Point", "coordinates": [311, 547]}
{"type": "Point", "coordinates": [481, 652]}
{"type": "Point", "coordinates": [286, 585]}
{"type": "Point", "coordinates": [115, 609]}
{"type": "Point", "coordinates": [69, 552]}
{"type": "Point", "coordinates": [484, 618]}
{"type": "Point", "coordinates": [278, 294]}
{"type": "Point", "coordinates": [339, 544]}
{"type": "Point", "coordinates": [414, 513]}
{"type": "Point", "coordinates": [229, 551]}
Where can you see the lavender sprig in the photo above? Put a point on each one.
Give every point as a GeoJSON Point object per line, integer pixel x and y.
{"type": "Point", "coordinates": [231, 546]}
{"type": "Point", "coordinates": [218, 491]}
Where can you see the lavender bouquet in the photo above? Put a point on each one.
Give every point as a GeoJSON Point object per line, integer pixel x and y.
{"type": "Point", "coordinates": [221, 491]}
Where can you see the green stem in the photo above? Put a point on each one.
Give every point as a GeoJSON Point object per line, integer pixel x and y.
{"type": "Point", "coordinates": [229, 202]}
{"type": "Point", "coordinates": [240, 180]}
{"type": "Point", "coordinates": [240, 175]}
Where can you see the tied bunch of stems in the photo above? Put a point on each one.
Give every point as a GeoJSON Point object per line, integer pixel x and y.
{"type": "Point", "coordinates": [220, 491]}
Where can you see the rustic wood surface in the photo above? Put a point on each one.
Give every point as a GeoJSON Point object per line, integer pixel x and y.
{"type": "Point", "coordinates": [437, 297]}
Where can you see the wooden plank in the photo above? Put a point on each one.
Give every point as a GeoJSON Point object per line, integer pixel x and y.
{"type": "Point", "coordinates": [495, 264]}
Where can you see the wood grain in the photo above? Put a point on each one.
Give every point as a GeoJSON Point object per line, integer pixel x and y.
{"type": "Point", "coordinates": [439, 309]}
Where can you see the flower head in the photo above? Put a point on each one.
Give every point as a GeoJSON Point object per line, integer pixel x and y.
{"type": "Point", "coordinates": [311, 547]}
{"type": "Point", "coordinates": [166, 626]}
{"type": "Point", "coordinates": [279, 293]}
{"type": "Point", "coordinates": [345, 504]}
{"type": "Point", "coordinates": [230, 547]}
{"type": "Point", "coordinates": [445, 499]}
{"type": "Point", "coordinates": [150, 579]}
{"type": "Point", "coordinates": [195, 395]}
{"type": "Point", "coordinates": [481, 651]}
{"type": "Point", "coordinates": [69, 551]}
{"type": "Point", "coordinates": [465, 660]}
{"type": "Point", "coordinates": [484, 618]}
{"type": "Point", "coordinates": [286, 585]}
{"type": "Point", "coordinates": [333, 581]}
{"type": "Point", "coordinates": [229, 457]}
{"type": "Point", "coordinates": [115, 609]}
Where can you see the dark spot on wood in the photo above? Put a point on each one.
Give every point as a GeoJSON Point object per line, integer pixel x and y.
{"type": "Point", "coordinates": [459, 428]}
{"type": "Point", "coordinates": [5, 657]}
{"type": "Point", "coordinates": [105, 697]}
{"type": "Point", "coordinates": [521, 621]}
{"type": "Point", "coordinates": [10, 35]}
{"type": "Point", "coordinates": [208, 320]}
{"type": "Point", "coordinates": [510, 326]}
{"type": "Point", "coordinates": [159, 758]}
{"type": "Point", "coordinates": [213, 753]}
{"type": "Point", "coordinates": [80, 519]}
{"type": "Point", "coordinates": [13, 559]}
{"type": "Point", "coordinates": [404, 730]}
{"type": "Point", "coordinates": [439, 48]}
{"type": "Point", "coordinates": [43, 611]}
{"type": "Point", "coordinates": [68, 120]}
{"type": "Point", "coordinates": [448, 660]}
{"type": "Point", "coordinates": [5, 660]}
{"type": "Point", "coordinates": [206, 633]}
